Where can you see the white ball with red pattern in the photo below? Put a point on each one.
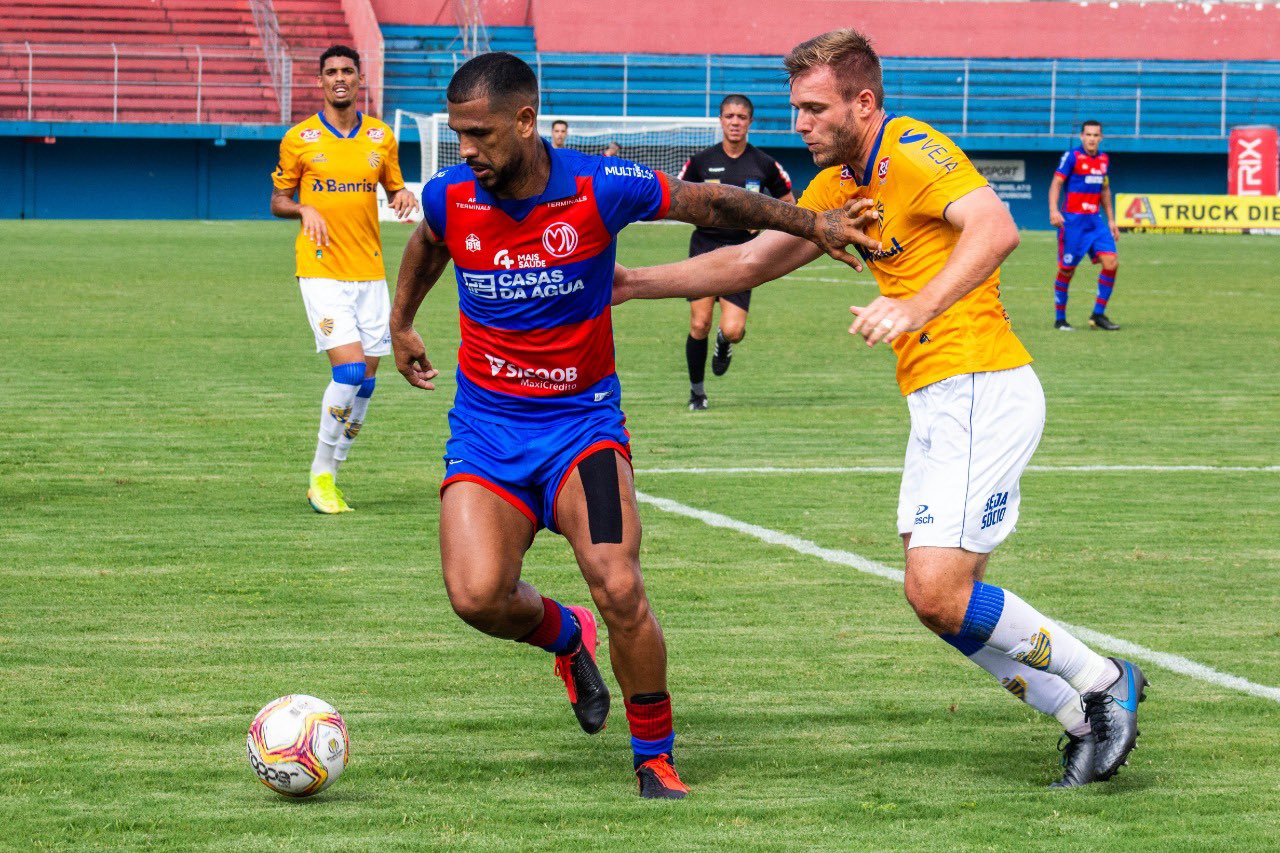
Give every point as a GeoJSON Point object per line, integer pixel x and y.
{"type": "Point", "coordinates": [298, 745]}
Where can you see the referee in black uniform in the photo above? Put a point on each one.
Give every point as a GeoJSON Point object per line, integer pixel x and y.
{"type": "Point", "coordinates": [732, 161]}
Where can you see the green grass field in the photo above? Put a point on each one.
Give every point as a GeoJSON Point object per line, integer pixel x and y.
{"type": "Point", "coordinates": [162, 576]}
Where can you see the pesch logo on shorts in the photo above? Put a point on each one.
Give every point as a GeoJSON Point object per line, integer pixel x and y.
{"type": "Point", "coordinates": [922, 516]}
{"type": "Point", "coordinates": [993, 512]}
{"type": "Point", "coordinates": [560, 239]}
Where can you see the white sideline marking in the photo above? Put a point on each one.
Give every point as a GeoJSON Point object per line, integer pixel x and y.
{"type": "Point", "coordinates": [889, 469]}
{"type": "Point", "coordinates": [1124, 648]}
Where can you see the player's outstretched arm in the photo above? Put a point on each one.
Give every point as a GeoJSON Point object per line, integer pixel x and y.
{"type": "Point", "coordinates": [727, 270]}
{"type": "Point", "coordinates": [987, 236]}
{"type": "Point", "coordinates": [723, 206]}
{"type": "Point", "coordinates": [420, 268]}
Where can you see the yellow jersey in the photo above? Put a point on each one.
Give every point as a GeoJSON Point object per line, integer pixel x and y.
{"type": "Point", "coordinates": [338, 176]}
{"type": "Point", "coordinates": [913, 174]}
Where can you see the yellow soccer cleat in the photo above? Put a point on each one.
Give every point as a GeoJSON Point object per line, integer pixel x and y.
{"type": "Point", "coordinates": [324, 495]}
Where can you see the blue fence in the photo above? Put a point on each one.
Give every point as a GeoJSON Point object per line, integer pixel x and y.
{"type": "Point", "coordinates": [1000, 104]}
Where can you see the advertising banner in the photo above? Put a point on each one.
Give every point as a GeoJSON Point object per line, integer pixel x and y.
{"type": "Point", "coordinates": [1248, 214]}
{"type": "Point", "coordinates": [386, 214]}
{"type": "Point", "coordinates": [1252, 162]}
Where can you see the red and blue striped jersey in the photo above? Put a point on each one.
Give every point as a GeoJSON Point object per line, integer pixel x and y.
{"type": "Point", "coordinates": [1085, 177]}
{"type": "Point", "coordinates": [535, 279]}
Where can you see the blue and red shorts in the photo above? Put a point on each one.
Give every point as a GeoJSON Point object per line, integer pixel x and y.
{"type": "Point", "coordinates": [1084, 234]}
{"type": "Point", "coordinates": [527, 466]}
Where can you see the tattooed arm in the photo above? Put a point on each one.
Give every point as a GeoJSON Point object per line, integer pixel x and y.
{"type": "Point", "coordinates": [722, 206]}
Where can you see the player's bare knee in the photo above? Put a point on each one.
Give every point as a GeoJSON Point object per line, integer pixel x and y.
{"type": "Point", "coordinates": [935, 606]}
{"type": "Point", "coordinates": [700, 329]}
{"type": "Point", "coordinates": [733, 332]}
{"type": "Point", "coordinates": [1110, 266]}
{"type": "Point", "coordinates": [484, 610]}
{"type": "Point", "coordinates": [619, 595]}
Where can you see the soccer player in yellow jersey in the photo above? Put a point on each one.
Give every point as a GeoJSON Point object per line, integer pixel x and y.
{"type": "Point", "coordinates": [977, 409]}
{"type": "Point", "coordinates": [334, 161]}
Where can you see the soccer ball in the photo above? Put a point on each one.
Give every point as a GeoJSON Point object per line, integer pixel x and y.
{"type": "Point", "coordinates": [297, 745]}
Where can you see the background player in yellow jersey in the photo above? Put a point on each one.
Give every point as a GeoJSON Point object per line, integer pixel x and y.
{"type": "Point", "coordinates": [334, 161]}
{"type": "Point", "coordinates": [977, 409]}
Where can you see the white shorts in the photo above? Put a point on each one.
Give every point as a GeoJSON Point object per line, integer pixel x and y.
{"type": "Point", "coordinates": [344, 312]}
{"type": "Point", "coordinates": [971, 438]}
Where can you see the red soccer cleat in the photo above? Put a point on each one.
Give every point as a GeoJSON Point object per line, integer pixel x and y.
{"type": "Point", "coordinates": [659, 780]}
{"type": "Point", "coordinates": [588, 693]}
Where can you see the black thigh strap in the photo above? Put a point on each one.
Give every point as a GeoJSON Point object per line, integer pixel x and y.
{"type": "Point", "coordinates": [599, 473]}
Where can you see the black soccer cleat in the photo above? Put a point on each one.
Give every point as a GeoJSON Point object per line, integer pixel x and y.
{"type": "Point", "coordinates": [659, 780]}
{"type": "Point", "coordinates": [1063, 326]}
{"type": "Point", "coordinates": [1077, 760]}
{"type": "Point", "coordinates": [1113, 718]}
{"type": "Point", "coordinates": [588, 694]}
{"type": "Point", "coordinates": [697, 402]}
{"type": "Point", "coordinates": [1100, 321]}
{"type": "Point", "coordinates": [722, 356]}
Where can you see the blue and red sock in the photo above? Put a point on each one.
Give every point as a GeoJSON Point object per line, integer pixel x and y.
{"type": "Point", "coordinates": [558, 632]}
{"type": "Point", "coordinates": [1060, 287]}
{"type": "Point", "coordinates": [1106, 281]}
{"type": "Point", "coordinates": [652, 734]}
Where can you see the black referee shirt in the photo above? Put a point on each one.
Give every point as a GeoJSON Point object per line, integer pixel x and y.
{"type": "Point", "coordinates": [754, 170]}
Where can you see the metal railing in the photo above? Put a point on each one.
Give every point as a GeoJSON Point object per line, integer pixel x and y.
{"type": "Point", "coordinates": [276, 53]}
{"type": "Point", "coordinates": [1029, 99]}
{"type": "Point", "coordinates": [128, 82]}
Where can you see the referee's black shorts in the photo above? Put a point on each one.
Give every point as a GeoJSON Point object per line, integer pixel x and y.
{"type": "Point", "coordinates": [700, 244]}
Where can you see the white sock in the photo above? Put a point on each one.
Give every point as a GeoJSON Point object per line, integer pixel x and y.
{"type": "Point", "coordinates": [1028, 636]}
{"type": "Point", "coordinates": [359, 406]}
{"type": "Point", "coordinates": [1045, 692]}
{"type": "Point", "coordinates": [335, 410]}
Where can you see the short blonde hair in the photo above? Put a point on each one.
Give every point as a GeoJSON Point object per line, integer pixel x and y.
{"type": "Point", "coordinates": [849, 54]}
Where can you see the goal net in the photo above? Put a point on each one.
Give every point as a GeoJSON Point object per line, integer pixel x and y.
{"type": "Point", "coordinates": [659, 142]}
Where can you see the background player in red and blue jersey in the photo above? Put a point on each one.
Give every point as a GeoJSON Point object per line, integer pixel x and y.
{"type": "Point", "coordinates": [537, 436]}
{"type": "Point", "coordinates": [1082, 228]}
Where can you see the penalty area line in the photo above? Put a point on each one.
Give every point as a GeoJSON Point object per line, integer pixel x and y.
{"type": "Point", "coordinates": [1115, 645]}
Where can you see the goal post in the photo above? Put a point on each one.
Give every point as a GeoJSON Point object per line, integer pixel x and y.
{"type": "Point", "coordinates": [663, 143]}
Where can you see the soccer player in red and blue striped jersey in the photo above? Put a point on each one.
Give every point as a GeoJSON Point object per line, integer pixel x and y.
{"type": "Point", "coordinates": [1082, 230]}
{"type": "Point", "coordinates": [537, 436]}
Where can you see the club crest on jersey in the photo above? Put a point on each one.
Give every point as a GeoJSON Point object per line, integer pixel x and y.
{"type": "Point", "coordinates": [311, 134]}
{"type": "Point", "coordinates": [473, 243]}
{"type": "Point", "coordinates": [326, 326]}
{"type": "Point", "coordinates": [846, 173]}
{"type": "Point", "coordinates": [882, 168]}
{"type": "Point", "coordinates": [377, 134]}
{"type": "Point", "coordinates": [560, 239]}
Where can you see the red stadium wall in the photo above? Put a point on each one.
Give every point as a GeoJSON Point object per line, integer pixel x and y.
{"type": "Point", "coordinates": [425, 13]}
{"type": "Point", "coordinates": [905, 28]}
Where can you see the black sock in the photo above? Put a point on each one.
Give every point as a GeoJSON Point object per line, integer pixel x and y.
{"type": "Point", "coordinates": [695, 352]}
